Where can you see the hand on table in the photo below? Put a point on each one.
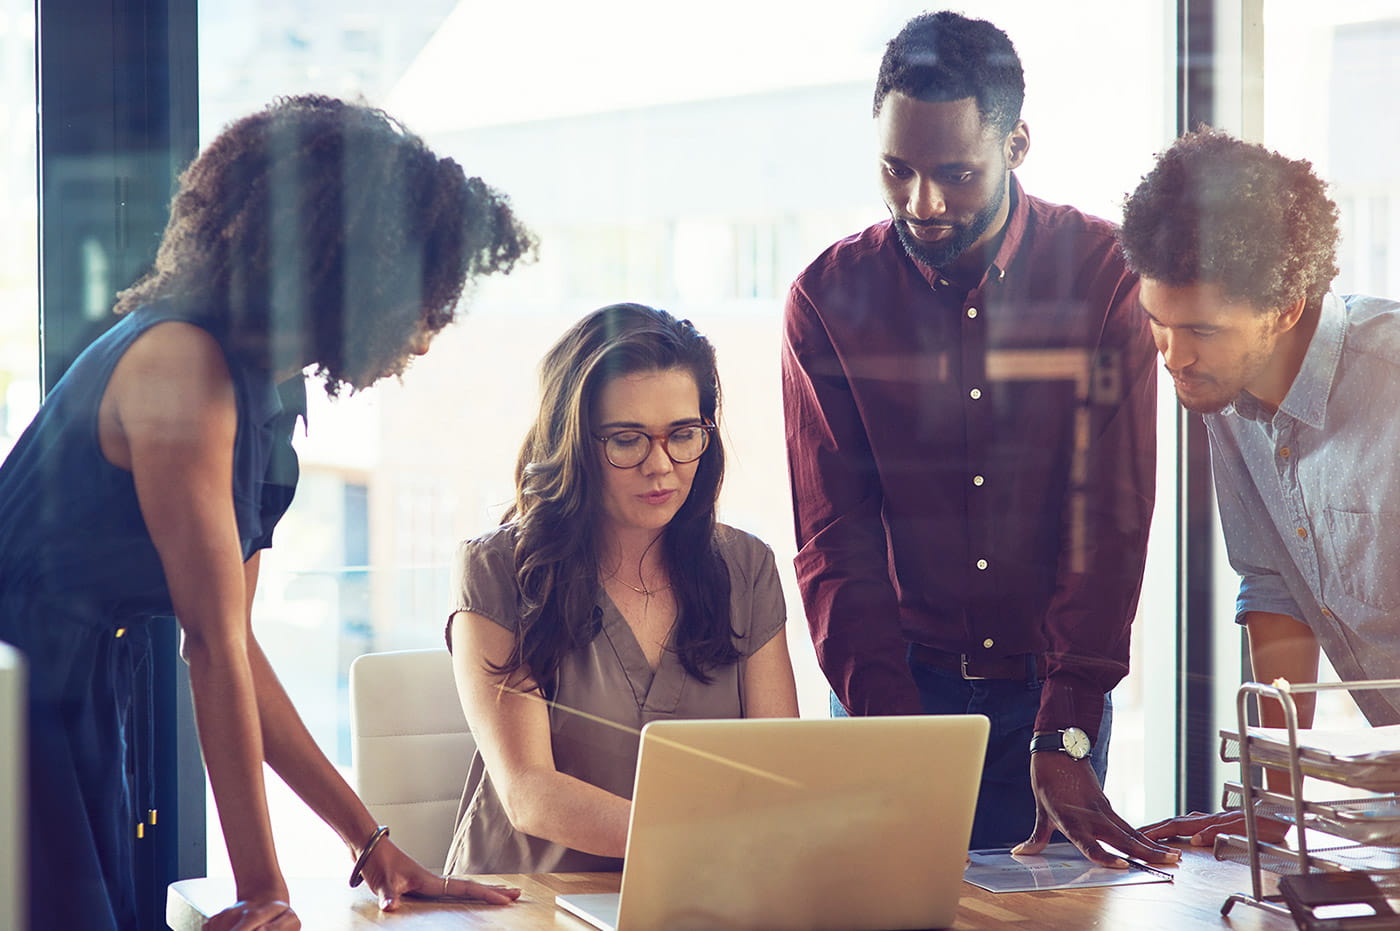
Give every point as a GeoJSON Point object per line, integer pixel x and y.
{"type": "Point", "coordinates": [255, 915]}
{"type": "Point", "coordinates": [1068, 797]}
{"type": "Point", "coordinates": [391, 873]}
{"type": "Point", "coordinates": [1200, 828]}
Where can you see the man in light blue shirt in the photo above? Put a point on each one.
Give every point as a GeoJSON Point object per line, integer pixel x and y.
{"type": "Point", "coordinates": [1300, 388]}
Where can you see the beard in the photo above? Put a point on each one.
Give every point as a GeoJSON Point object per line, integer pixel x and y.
{"type": "Point", "coordinates": [942, 254]}
{"type": "Point", "coordinates": [1203, 393]}
{"type": "Point", "coordinates": [1205, 397]}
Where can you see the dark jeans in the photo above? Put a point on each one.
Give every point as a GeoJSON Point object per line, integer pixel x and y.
{"type": "Point", "coordinates": [1005, 804]}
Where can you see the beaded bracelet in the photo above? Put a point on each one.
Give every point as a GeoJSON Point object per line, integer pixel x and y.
{"type": "Point", "coordinates": [357, 875]}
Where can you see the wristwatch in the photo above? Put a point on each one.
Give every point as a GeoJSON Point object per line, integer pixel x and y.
{"type": "Point", "coordinates": [1071, 740]}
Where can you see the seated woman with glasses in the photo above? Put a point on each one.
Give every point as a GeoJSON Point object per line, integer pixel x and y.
{"type": "Point", "coordinates": [608, 598]}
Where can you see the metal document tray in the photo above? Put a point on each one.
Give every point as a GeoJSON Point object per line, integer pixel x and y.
{"type": "Point", "coordinates": [1373, 771]}
{"type": "Point", "coordinates": [1380, 862]}
{"type": "Point", "coordinates": [1370, 820]}
{"type": "Point", "coordinates": [1367, 760]}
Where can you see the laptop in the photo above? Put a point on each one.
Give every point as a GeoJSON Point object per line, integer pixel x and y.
{"type": "Point", "coordinates": [784, 823]}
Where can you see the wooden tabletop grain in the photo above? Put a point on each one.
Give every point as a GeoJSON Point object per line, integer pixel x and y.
{"type": "Point", "coordinates": [1192, 900]}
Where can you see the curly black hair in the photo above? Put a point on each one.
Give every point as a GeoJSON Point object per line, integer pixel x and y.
{"type": "Point", "coordinates": [946, 56]}
{"type": "Point", "coordinates": [321, 232]}
{"type": "Point", "coordinates": [1218, 210]}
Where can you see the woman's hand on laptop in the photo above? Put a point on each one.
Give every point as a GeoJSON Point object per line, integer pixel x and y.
{"type": "Point", "coordinates": [1068, 797]}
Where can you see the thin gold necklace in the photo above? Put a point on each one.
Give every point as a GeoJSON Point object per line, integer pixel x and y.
{"type": "Point", "coordinates": [645, 592]}
{"type": "Point", "coordinates": [648, 592]}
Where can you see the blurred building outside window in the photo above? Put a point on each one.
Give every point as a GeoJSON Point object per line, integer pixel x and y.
{"type": "Point", "coordinates": [650, 175]}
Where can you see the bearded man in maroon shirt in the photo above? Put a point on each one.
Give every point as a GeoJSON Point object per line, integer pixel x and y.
{"type": "Point", "coordinates": [969, 392]}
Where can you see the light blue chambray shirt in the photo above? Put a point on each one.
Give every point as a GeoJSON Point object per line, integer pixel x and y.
{"type": "Point", "coordinates": [1310, 497]}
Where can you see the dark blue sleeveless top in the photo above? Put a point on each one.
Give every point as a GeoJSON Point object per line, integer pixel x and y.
{"type": "Point", "coordinates": [79, 576]}
{"type": "Point", "coordinates": [71, 533]}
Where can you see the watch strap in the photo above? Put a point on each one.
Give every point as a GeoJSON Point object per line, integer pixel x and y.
{"type": "Point", "coordinates": [1065, 740]}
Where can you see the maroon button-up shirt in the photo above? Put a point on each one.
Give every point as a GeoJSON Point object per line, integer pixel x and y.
{"type": "Point", "coordinates": [972, 470]}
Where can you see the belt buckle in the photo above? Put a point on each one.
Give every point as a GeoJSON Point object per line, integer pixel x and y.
{"type": "Point", "coordinates": [963, 659]}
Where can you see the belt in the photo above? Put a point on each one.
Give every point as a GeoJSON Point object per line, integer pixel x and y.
{"type": "Point", "coordinates": [972, 666]}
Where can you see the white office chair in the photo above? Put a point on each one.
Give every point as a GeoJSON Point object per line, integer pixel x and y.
{"type": "Point", "coordinates": [410, 747]}
{"type": "Point", "coordinates": [14, 840]}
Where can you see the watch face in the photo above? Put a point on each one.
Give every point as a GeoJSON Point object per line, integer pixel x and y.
{"type": "Point", "coordinates": [1076, 743]}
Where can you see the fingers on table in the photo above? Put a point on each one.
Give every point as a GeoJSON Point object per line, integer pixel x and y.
{"type": "Point", "coordinates": [1040, 835]}
{"type": "Point", "coordinates": [454, 888]}
{"type": "Point", "coordinates": [287, 921]}
{"type": "Point", "coordinates": [1087, 833]}
{"type": "Point", "coordinates": [1146, 849]}
{"type": "Point", "coordinates": [272, 916]}
{"type": "Point", "coordinates": [1181, 825]}
{"type": "Point", "coordinates": [1086, 829]}
{"type": "Point", "coordinates": [1096, 854]}
{"type": "Point", "coordinates": [1138, 844]}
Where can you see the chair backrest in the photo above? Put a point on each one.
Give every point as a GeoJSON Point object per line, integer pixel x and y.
{"type": "Point", "coordinates": [14, 839]}
{"type": "Point", "coordinates": [410, 747]}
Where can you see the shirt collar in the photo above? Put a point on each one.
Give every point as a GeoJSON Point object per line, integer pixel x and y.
{"type": "Point", "coordinates": [1016, 221]}
{"type": "Point", "coordinates": [1307, 396]}
{"type": "Point", "coordinates": [1306, 400]}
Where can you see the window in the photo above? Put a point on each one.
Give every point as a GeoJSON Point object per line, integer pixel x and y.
{"type": "Point", "coordinates": [19, 236]}
{"type": "Point", "coordinates": [650, 175]}
{"type": "Point", "coordinates": [1329, 70]}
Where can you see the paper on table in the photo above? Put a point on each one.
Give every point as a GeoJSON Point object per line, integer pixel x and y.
{"type": "Point", "coordinates": [1364, 744]}
{"type": "Point", "coordinates": [1061, 866]}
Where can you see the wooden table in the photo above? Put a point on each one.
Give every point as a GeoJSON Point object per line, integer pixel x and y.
{"type": "Point", "coordinates": [1192, 901]}
{"type": "Point", "coordinates": [331, 905]}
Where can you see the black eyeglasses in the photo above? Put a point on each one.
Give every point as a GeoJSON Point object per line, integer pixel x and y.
{"type": "Point", "coordinates": [627, 449]}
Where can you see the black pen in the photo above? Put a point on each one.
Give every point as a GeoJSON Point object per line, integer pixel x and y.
{"type": "Point", "coordinates": [1139, 865]}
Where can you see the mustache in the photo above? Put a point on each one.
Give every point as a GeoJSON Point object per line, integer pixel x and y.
{"type": "Point", "coordinates": [929, 224]}
{"type": "Point", "coordinates": [1188, 375]}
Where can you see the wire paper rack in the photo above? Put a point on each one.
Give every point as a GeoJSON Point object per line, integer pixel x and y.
{"type": "Point", "coordinates": [1358, 833]}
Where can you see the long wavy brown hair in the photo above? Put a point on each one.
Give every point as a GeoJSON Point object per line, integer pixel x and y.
{"type": "Point", "coordinates": [558, 497]}
{"type": "Point", "coordinates": [321, 232]}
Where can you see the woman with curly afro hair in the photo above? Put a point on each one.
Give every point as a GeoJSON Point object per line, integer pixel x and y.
{"type": "Point", "coordinates": [314, 236]}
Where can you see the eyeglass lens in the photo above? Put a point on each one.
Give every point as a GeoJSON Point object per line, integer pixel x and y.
{"type": "Point", "coordinates": [631, 447]}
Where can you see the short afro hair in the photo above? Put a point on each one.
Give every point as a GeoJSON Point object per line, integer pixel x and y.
{"type": "Point", "coordinates": [1221, 211]}
{"type": "Point", "coordinates": [944, 56]}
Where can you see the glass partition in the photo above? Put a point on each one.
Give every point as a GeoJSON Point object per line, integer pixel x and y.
{"type": "Point", "coordinates": [1330, 74]}
{"type": "Point", "coordinates": [695, 161]}
{"type": "Point", "coordinates": [19, 216]}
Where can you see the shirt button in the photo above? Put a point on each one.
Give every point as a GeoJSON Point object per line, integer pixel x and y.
{"type": "Point", "coordinates": [975, 393]}
{"type": "Point", "coordinates": [1326, 613]}
{"type": "Point", "coordinates": [1302, 533]}
{"type": "Point", "coordinates": [987, 644]}
{"type": "Point", "coordinates": [978, 480]}
{"type": "Point", "coordinates": [981, 564]}
{"type": "Point", "coordinates": [972, 313]}
{"type": "Point", "coordinates": [943, 281]}
{"type": "Point", "coordinates": [1284, 451]}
